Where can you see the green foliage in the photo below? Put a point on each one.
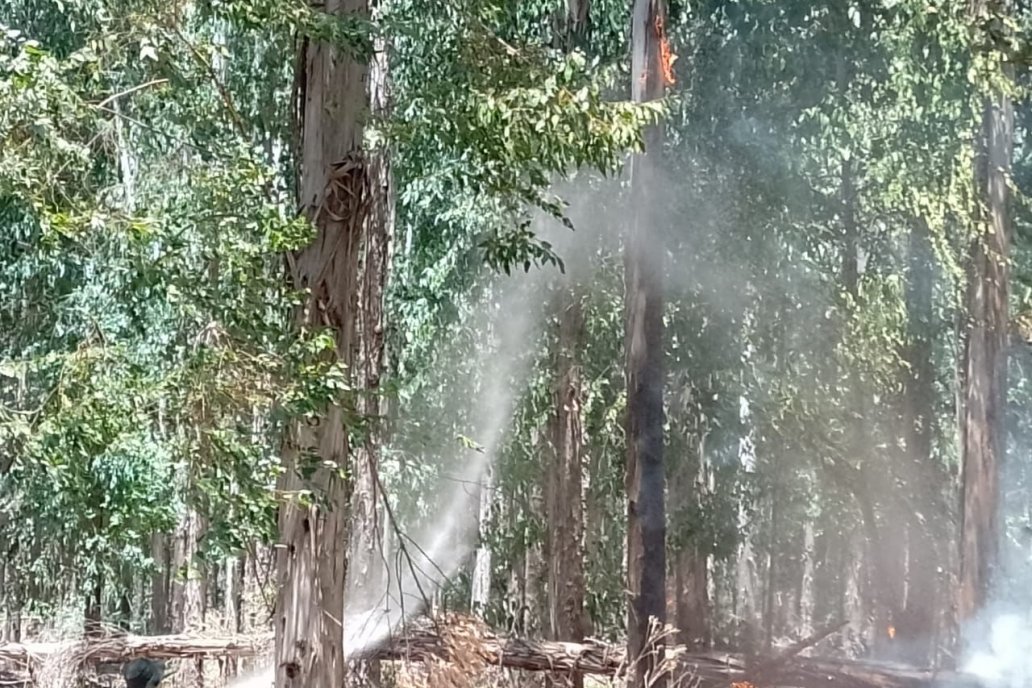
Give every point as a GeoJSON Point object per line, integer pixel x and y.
{"type": "Point", "coordinates": [146, 198]}
{"type": "Point", "coordinates": [149, 350]}
{"type": "Point", "coordinates": [485, 122]}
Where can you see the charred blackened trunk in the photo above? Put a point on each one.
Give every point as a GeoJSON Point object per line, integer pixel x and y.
{"type": "Point", "coordinates": [645, 477]}
{"type": "Point", "coordinates": [125, 601]}
{"type": "Point", "coordinates": [93, 612]}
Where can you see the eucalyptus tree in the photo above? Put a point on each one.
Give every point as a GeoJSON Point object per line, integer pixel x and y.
{"type": "Point", "coordinates": [159, 166]}
{"type": "Point", "coordinates": [988, 295]}
{"type": "Point", "coordinates": [644, 348]}
{"type": "Point", "coordinates": [813, 163]}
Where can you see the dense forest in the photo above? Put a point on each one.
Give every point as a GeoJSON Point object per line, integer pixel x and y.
{"type": "Point", "coordinates": [579, 318]}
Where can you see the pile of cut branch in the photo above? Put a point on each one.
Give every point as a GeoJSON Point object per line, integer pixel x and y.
{"type": "Point", "coordinates": [438, 640]}
{"type": "Point", "coordinates": [455, 639]}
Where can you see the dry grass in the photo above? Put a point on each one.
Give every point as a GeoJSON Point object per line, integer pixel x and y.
{"type": "Point", "coordinates": [213, 673]}
{"type": "Point", "coordinates": [62, 669]}
{"type": "Point", "coordinates": [70, 667]}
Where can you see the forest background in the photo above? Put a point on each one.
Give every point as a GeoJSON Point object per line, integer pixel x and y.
{"type": "Point", "coordinates": [260, 347]}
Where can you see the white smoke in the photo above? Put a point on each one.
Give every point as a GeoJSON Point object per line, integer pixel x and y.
{"type": "Point", "coordinates": [998, 642]}
{"type": "Point", "coordinates": [1002, 658]}
{"type": "Point", "coordinates": [435, 552]}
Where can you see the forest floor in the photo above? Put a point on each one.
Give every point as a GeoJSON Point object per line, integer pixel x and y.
{"type": "Point", "coordinates": [448, 652]}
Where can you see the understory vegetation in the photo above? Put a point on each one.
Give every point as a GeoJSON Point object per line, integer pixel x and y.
{"type": "Point", "coordinates": [378, 266]}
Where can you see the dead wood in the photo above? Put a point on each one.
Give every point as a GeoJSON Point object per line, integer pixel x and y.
{"type": "Point", "coordinates": [768, 665]}
{"type": "Point", "coordinates": [115, 649]}
{"type": "Point", "coordinates": [459, 640]}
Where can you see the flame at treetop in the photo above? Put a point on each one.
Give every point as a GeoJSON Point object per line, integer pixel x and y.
{"type": "Point", "coordinates": [666, 56]}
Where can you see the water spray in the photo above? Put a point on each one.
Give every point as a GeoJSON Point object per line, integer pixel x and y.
{"type": "Point", "coordinates": [430, 557]}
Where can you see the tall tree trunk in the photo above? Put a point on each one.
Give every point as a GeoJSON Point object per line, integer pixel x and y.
{"type": "Point", "coordinates": [770, 587]}
{"type": "Point", "coordinates": [688, 483]}
{"type": "Point", "coordinates": [187, 587]}
{"type": "Point", "coordinates": [564, 478]}
{"type": "Point", "coordinates": [125, 602]}
{"type": "Point", "coordinates": [565, 518]}
{"type": "Point", "coordinates": [746, 592]}
{"type": "Point", "coordinates": [160, 583]}
{"type": "Point", "coordinates": [854, 602]}
{"type": "Point", "coordinates": [576, 28]}
{"type": "Point", "coordinates": [915, 627]}
{"type": "Point", "coordinates": [14, 600]}
{"type": "Point", "coordinates": [126, 161]}
{"type": "Point", "coordinates": [369, 576]}
{"type": "Point", "coordinates": [93, 611]}
{"type": "Point", "coordinates": [806, 595]}
{"type": "Point", "coordinates": [643, 266]}
{"type": "Point", "coordinates": [985, 356]}
{"type": "Point", "coordinates": [342, 269]}
{"type": "Point", "coordinates": [231, 595]}
{"type": "Point", "coordinates": [534, 614]}
{"type": "Point", "coordinates": [692, 603]}
{"type": "Point", "coordinates": [885, 574]}
{"type": "Point", "coordinates": [480, 594]}
{"type": "Point", "coordinates": [258, 574]}
{"type": "Point", "coordinates": [6, 596]}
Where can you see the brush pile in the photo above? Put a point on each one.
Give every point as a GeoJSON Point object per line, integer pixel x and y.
{"type": "Point", "coordinates": [456, 638]}
{"type": "Point", "coordinates": [461, 644]}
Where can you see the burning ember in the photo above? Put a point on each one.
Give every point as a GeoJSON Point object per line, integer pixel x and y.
{"type": "Point", "coordinates": [666, 56]}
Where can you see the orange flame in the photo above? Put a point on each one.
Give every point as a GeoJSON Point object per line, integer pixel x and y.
{"type": "Point", "coordinates": [666, 55]}
{"type": "Point", "coordinates": [891, 631]}
{"type": "Point", "coordinates": [741, 684]}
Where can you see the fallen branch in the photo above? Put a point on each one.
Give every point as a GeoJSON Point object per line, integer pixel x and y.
{"type": "Point", "coordinates": [456, 640]}
{"type": "Point", "coordinates": [512, 653]}
{"type": "Point", "coordinates": [113, 649]}
{"type": "Point", "coordinates": [769, 665]}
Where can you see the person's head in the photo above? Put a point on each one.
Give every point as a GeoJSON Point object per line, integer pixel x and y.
{"type": "Point", "coordinates": [143, 673]}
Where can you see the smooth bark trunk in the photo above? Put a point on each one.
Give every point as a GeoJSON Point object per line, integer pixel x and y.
{"type": "Point", "coordinates": [806, 582]}
{"type": "Point", "coordinates": [187, 587]}
{"type": "Point", "coordinates": [480, 595]}
{"type": "Point", "coordinates": [160, 584]}
{"type": "Point", "coordinates": [535, 613]}
{"type": "Point", "coordinates": [564, 503]}
{"type": "Point", "coordinates": [565, 506]}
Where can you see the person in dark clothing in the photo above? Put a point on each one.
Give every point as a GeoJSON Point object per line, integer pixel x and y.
{"type": "Point", "coordinates": [143, 673]}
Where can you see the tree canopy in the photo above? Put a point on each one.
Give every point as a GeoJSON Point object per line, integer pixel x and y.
{"type": "Point", "coordinates": [836, 216]}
